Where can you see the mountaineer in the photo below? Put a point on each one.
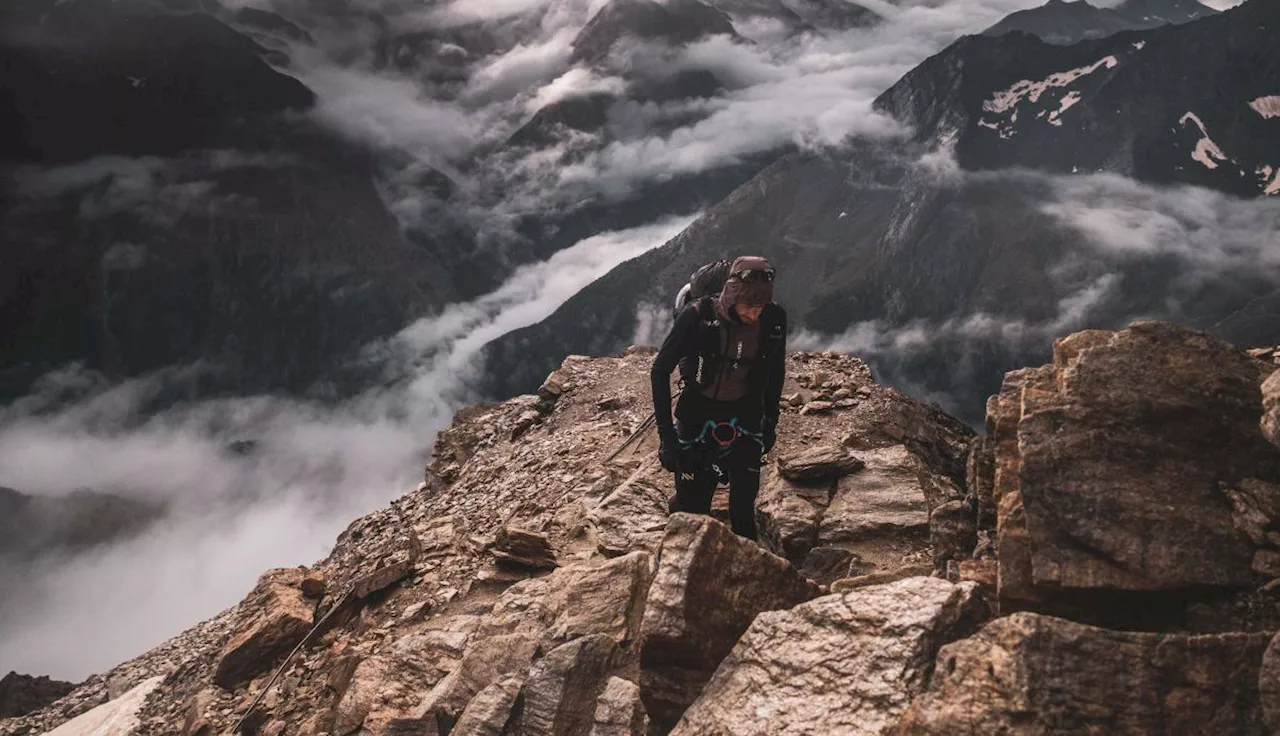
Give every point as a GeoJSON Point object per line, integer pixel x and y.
{"type": "Point", "coordinates": [731, 351]}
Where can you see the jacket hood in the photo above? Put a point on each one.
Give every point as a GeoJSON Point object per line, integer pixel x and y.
{"type": "Point", "coordinates": [737, 291]}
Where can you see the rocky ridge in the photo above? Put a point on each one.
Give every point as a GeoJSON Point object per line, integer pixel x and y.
{"type": "Point", "coordinates": [1101, 559]}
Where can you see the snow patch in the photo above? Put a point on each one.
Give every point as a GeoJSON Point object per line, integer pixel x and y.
{"type": "Point", "coordinates": [1267, 107]}
{"type": "Point", "coordinates": [118, 717]}
{"type": "Point", "coordinates": [1206, 150]}
{"type": "Point", "coordinates": [1026, 89]}
{"type": "Point", "coordinates": [1270, 179]}
{"type": "Point", "coordinates": [1068, 102]}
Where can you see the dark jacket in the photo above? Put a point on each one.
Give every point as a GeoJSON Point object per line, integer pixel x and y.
{"type": "Point", "coordinates": [698, 344]}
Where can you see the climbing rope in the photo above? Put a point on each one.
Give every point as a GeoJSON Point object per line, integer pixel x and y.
{"type": "Point", "coordinates": [644, 427]}
{"type": "Point", "coordinates": [256, 701]}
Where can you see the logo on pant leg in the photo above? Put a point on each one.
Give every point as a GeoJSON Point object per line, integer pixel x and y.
{"type": "Point", "coordinates": [686, 476]}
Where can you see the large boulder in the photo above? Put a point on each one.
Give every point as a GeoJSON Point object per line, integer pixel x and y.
{"type": "Point", "coordinates": [1029, 673]}
{"type": "Point", "coordinates": [598, 607]}
{"type": "Point", "coordinates": [491, 712]}
{"type": "Point", "coordinates": [563, 687]}
{"type": "Point", "coordinates": [633, 516]}
{"type": "Point", "coordinates": [271, 621]}
{"type": "Point", "coordinates": [619, 711]}
{"type": "Point", "coordinates": [576, 601]}
{"type": "Point", "coordinates": [485, 661]}
{"type": "Point", "coordinates": [709, 586]}
{"type": "Point", "coordinates": [1115, 467]}
{"type": "Point", "coordinates": [841, 664]}
{"type": "Point", "coordinates": [392, 681]}
{"type": "Point", "coordinates": [789, 513]}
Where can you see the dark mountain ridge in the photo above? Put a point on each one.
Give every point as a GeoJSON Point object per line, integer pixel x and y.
{"type": "Point", "coordinates": [1063, 22]}
{"type": "Point", "coordinates": [970, 261]}
{"type": "Point", "coordinates": [200, 219]}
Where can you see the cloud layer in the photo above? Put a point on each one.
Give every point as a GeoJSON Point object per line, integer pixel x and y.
{"type": "Point", "coordinates": [232, 513]}
{"type": "Point", "coordinates": [782, 89]}
{"type": "Point", "coordinates": [1202, 241]}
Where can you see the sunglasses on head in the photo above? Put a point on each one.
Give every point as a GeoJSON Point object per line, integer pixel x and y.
{"type": "Point", "coordinates": [750, 275]}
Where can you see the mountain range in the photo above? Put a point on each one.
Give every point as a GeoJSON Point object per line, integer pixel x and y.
{"type": "Point", "coordinates": [940, 254]}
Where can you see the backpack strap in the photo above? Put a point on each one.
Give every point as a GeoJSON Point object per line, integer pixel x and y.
{"type": "Point", "coordinates": [706, 309]}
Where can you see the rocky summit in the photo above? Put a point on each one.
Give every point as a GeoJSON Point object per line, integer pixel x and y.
{"type": "Point", "coordinates": [1103, 559]}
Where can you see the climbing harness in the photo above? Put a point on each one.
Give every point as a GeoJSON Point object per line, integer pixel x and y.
{"type": "Point", "coordinates": [724, 434]}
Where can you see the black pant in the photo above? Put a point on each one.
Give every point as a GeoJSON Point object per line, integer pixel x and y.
{"type": "Point", "coordinates": [696, 479]}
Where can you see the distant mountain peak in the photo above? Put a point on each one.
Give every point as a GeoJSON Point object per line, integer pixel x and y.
{"type": "Point", "coordinates": [675, 22]}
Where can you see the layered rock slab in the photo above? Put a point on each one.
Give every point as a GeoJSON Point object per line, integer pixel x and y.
{"type": "Point", "coordinates": [878, 511]}
{"type": "Point", "coordinates": [841, 664]}
{"type": "Point", "coordinates": [272, 620]}
{"type": "Point", "coordinates": [1029, 673]}
{"type": "Point", "coordinates": [1271, 408]}
{"type": "Point", "coordinates": [709, 586]}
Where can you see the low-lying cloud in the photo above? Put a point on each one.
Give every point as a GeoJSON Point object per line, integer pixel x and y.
{"type": "Point", "coordinates": [248, 483]}
{"type": "Point", "coordinates": [785, 89]}
{"type": "Point", "coordinates": [1203, 241]}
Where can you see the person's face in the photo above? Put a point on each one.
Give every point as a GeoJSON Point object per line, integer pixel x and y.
{"type": "Point", "coordinates": [749, 313]}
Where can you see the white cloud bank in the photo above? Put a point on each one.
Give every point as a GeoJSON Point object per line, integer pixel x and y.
{"type": "Point", "coordinates": [232, 514]}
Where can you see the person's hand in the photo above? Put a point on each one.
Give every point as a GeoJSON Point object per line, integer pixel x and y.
{"type": "Point", "coordinates": [769, 433]}
{"type": "Point", "coordinates": [669, 448]}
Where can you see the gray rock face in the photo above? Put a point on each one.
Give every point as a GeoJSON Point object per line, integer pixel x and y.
{"type": "Point", "coordinates": [386, 683]}
{"type": "Point", "coordinates": [709, 586]}
{"type": "Point", "coordinates": [1028, 673]}
{"type": "Point", "coordinates": [840, 664]}
{"type": "Point", "coordinates": [789, 514]}
{"type": "Point", "coordinates": [953, 531]}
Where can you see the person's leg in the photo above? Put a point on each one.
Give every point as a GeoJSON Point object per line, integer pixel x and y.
{"type": "Point", "coordinates": [744, 485]}
{"type": "Point", "coordinates": [694, 490]}
{"type": "Point", "coordinates": [695, 480]}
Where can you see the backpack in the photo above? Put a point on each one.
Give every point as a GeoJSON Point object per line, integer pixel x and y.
{"type": "Point", "coordinates": [707, 281]}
